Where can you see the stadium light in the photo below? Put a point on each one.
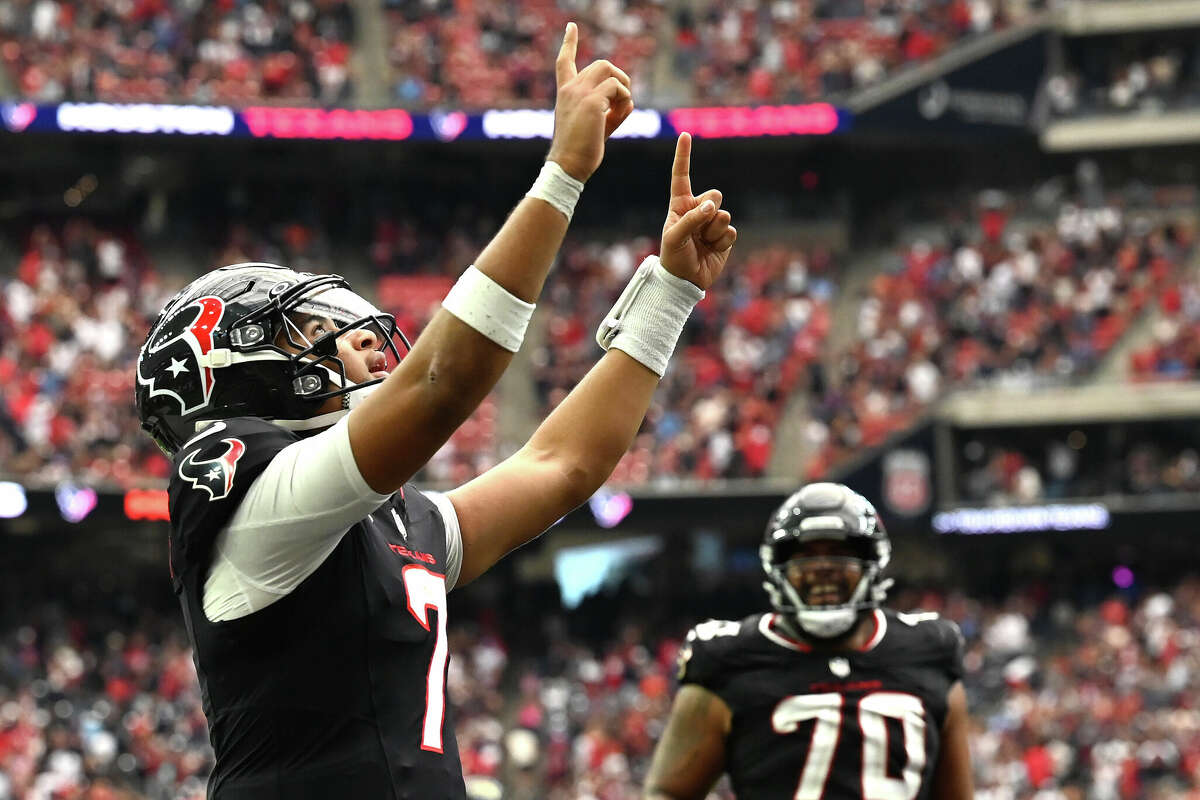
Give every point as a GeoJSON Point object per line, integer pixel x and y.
{"type": "Point", "coordinates": [12, 500]}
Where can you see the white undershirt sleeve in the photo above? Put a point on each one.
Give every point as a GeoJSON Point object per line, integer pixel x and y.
{"type": "Point", "coordinates": [454, 543]}
{"type": "Point", "coordinates": [292, 518]}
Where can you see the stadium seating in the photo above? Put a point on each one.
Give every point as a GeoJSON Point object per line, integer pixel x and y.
{"type": "Point", "coordinates": [791, 51]}
{"type": "Point", "coordinates": [72, 319]}
{"type": "Point", "coordinates": [489, 54]}
{"type": "Point", "coordinates": [747, 347]}
{"type": "Point", "coordinates": [1002, 304]}
{"type": "Point", "coordinates": [1083, 700]}
{"type": "Point", "coordinates": [206, 53]}
{"type": "Point", "coordinates": [472, 56]}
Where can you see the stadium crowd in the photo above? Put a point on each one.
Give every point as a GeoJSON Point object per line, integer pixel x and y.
{"type": "Point", "coordinates": [1068, 700]}
{"type": "Point", "coordinates": [490, 54]}
{"type": "Point", "coordinates": [159, 51]}
{"type": "Point", "coordinates": [73, 313]}
{"type": "Point", "coordinates": [746, 349]}
{"type": "Point", "coordinates": [795, 52]}
{"type": "Point", "coordinates": [994, 302]}
{"type": "Point", "coordinates": [79, 303]}
{"type": "Point", "coordinates": [471, 56]}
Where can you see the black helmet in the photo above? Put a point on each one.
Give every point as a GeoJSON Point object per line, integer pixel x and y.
{"type": "Point", "coordinates": [213, 354]}
{"type": "Point", "coordinates": [825, 511]}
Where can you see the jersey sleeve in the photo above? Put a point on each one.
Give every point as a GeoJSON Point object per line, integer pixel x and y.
{"type": "Point", "coordinates": [454, 542]}
{"type": "Point", "coordinates": [705, 654]}
{"type": "Point", "coordinates": [952, 647]}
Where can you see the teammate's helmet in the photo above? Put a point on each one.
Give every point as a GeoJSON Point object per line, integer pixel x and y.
{"type": "Point", "coordinates": [824, 511]}
{"type": "Point", "coordinates": [214, 351]}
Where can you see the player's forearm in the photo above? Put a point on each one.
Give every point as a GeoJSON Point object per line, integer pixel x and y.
{"type": "Point", "coordinates": [453, 365]}
{"type": "Point", "coordinates": [449, 371]}
{"type": "Point", "coordinates": [594, 426]}
{"type": "Point", "coordinates": [563, 463]}
{"type": "Point", "coordinates": [521, 253]}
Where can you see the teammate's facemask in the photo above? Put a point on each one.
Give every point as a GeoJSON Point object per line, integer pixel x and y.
{"type": "Point", "coordinates": [823, 552]}
{"type": "Point", "coordinates": [825, 572]}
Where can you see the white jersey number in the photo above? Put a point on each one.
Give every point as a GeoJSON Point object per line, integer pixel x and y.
{"type": "Point", "coordinates": [827, 710]}
{"type": "Point", "coordinates": [427, 590]}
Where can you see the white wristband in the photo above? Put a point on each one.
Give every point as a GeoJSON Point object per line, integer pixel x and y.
{"type": "Point", "coordinates": [649, 315]}
{"type": "Point", "coordinates": [557, 188]}
{"type": "Point", "coordinates": [490, 309]}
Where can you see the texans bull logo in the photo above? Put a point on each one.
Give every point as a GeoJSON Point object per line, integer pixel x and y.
{"type": "Point", "coordinates": [213, 475]}
{"type": "Point", "coordinates": [174, 355]}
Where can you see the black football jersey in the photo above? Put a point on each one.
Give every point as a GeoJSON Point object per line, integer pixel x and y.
{"type": "Point", "coordinates": [336, 690]}
{"type": "Point", "coordinates": [809, 725]}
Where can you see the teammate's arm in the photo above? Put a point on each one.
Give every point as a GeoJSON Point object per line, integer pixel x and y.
{"type": "Point", "coordinates": [577, 447]}
{"type": "Point", "coordinates": [690, 756]}
{"type": "Point", "coordinates": [452, 367]}
{"type": "Point", "coordinates": [952, 779]}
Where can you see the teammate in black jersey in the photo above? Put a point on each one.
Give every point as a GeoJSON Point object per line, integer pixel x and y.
{"type": "Point", "coordinates": [313, 580]}
{"type": "Point", "coordinates": [830, 697]}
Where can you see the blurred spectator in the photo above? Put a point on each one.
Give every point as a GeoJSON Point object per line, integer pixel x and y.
{"type": "Point", "coordinates": [174, 51]}
{"type": "Point", "coordinates": [1175, 351]}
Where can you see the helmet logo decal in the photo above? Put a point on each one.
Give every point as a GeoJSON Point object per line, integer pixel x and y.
{"type": "Point", "coordinates": [182, 342]}
{"type": "Point", "coordinates": [213, 475]}
{"type": "Point", "coordinates": [839, 666]}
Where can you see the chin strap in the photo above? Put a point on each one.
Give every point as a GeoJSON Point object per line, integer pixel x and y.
{"type": "Point", "coordinates": [350, 401]}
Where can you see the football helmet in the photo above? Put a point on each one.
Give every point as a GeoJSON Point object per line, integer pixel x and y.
{"type": "Point", "coordinates": [825, 511]}
{"type": "Point", "coordinates": [214, 352]}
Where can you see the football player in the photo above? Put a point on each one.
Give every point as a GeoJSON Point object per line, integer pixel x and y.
{"type": "Point", "coordinates": [829, 696]}
{"type": "Point", "coordinates": [312, 579]}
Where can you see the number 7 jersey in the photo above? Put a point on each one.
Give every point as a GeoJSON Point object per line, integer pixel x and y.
{"type": "Point", "coordinates": [813, 724]}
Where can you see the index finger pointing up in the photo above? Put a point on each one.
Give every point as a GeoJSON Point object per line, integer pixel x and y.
{"type": "Point", "coordinates": [564, 65]}
{"type": "Point", "coordinates": [681, 182]}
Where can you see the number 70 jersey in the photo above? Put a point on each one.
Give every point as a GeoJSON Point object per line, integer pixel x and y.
{"type": "Point", "coordinates": [813, 725]}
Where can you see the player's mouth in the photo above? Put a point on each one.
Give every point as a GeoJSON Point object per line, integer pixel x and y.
{"type": "Point", "coordinates": [824, 594]}
{"type": "Point", "coordinates": [377, 365]}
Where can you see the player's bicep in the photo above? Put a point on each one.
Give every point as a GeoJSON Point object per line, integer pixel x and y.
{"type": "Point", "coordinates": [952, 778]}
{"type": "Point", "coordinates": [690, 756]}
{"type": "Point", "coordinates": [507, 506]}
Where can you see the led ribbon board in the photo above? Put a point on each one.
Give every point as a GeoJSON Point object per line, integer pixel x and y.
{"type": "Point", "coordinates": [395, 124]}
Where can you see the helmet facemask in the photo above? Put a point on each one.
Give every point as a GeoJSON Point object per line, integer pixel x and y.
{"type": "Point", "coordinates": [823, 593]}
{"type": "Point", "coordinates": [318, 360]}
{"type": "Point", "coordinates": [318, 371]}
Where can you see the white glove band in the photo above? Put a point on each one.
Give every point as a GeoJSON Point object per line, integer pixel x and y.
{"type": "Point", "coordinates": [649, 315]}
{"type": "Point", "coordinates": [557, 188]}
{"type": "Point", "coordinates": [490, 309]}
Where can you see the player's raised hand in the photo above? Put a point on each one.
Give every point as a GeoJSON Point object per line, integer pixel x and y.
{"type": "Point", "coordinates": [591, 104]}
{"type": "Point", "coordinates": [697, 235]}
